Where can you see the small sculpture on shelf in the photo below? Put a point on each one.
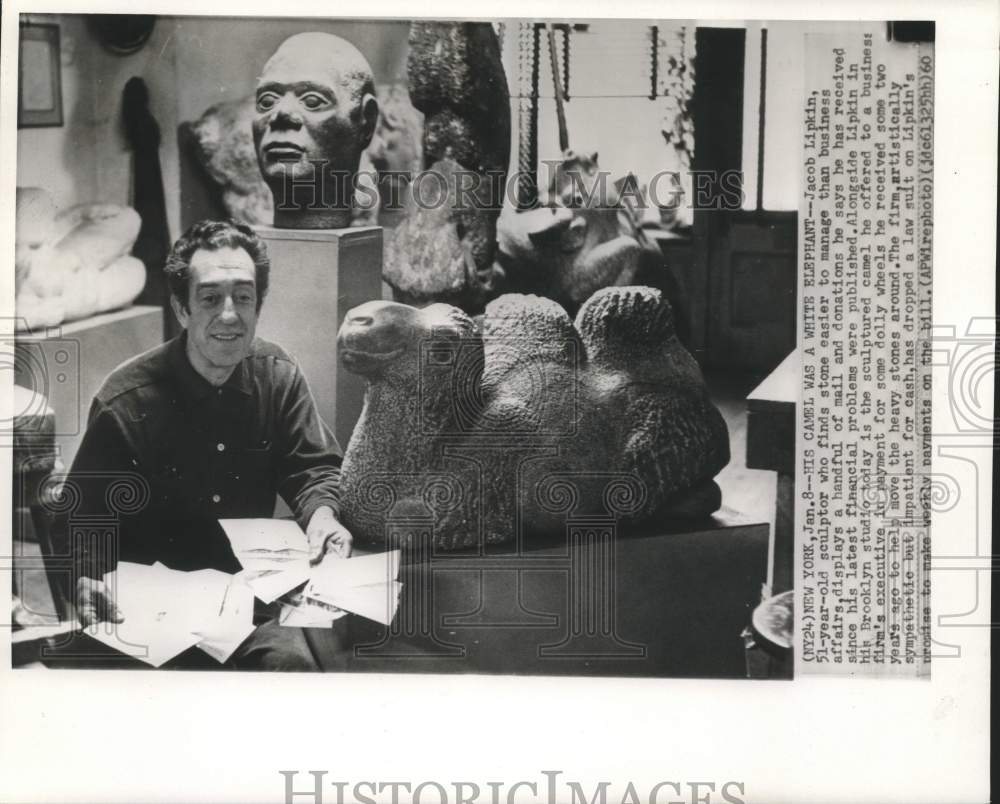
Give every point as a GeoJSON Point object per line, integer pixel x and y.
{"type": "Point", "coordinates": [316, 112]}
{"type": "Point", "coordinates": [73, 263]}
{"type": "Point", "coordinates": [585, 236]}
{"type": "Point", "coordinates": [478, 427]}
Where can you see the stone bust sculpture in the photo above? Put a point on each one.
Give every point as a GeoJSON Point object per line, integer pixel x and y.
{"type": "Point", "coordinates": [315, 114]}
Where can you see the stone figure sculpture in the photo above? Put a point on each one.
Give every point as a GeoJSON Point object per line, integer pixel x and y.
{"type": "Point", "coordinates": [566, 253]}
{"type": "Point", "coordinates": [73, 263]}
{"type": "Point", "coordinates": [221, 142]}
{"type": "Point", "coordinates": [316, 112]}
{"type": "Point", "coordinates": [583, 238]}
{"type": "Point", "coordinates": [484, 433]}
{"type": "Point", "coordinates": [444, 249]}
{"type": "Point", "coordinates": [396, 150]}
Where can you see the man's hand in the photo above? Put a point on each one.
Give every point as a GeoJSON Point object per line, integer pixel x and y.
{"type": "Point", "coordinates": [327, 535]}
{"type": "Point", "coordinates": [95, 604]}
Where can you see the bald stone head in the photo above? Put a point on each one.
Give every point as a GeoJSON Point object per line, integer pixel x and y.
{"type": "Point", "coordinates": [316, 113]}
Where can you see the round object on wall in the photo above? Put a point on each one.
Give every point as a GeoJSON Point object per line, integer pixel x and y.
{"type": "Point", "coordinates": [123, 33]}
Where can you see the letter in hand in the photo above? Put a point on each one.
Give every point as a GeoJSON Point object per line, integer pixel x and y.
{"type": "Point", "coordinates": [95, 604]}
{"type": "Point", "coordinates": [326, 535]}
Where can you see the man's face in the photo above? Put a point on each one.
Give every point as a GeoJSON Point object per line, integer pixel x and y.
{"type": "Point", "coordinates": [222, 310]}
{"type": "Point", "coordinates": [304, 115]}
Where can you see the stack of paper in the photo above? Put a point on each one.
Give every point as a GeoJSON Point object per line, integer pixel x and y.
{"type": "Point", "coordinates": [166, 612]}
{"type": "Point", "coordinates": [274, 554]}
{"type": "Point", "coordinates": [363, 585]}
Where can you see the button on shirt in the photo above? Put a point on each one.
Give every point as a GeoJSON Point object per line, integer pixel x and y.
{"type": "Point", "coordinates": [204, 452]}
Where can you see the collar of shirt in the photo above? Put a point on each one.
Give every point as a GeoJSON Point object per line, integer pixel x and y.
{"type": "Point", "coordinates": [193, 385]}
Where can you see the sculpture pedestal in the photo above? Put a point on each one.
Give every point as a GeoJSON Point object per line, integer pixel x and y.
{"type": "Point", "coordinates": [67, 364]}
{"type": "Point", "coordinates": [671, 601]}
{"type": "Point", "coordinates": [317, 275]}
{"type": "Point", "coordinates": [771, 446]}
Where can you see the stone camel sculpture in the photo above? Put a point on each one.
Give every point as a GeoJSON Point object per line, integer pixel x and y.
{"type": "Point", "coordinates": [480, 435]}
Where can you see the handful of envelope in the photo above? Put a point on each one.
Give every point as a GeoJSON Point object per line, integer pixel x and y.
{"type": "Point", "coordinates": [168, 611]}
{"type": "Point", "coordinates": [274, 554]}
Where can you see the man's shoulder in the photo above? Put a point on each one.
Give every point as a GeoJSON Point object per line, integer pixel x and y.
{"type": "Point", "coordinates": [265, 356]}
{"type": "Point", "coordinates": [261, 350]}
{"type": "Point", "coordinates": [142, 371]}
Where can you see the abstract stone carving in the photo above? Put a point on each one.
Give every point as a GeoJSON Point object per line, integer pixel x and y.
{"type": "Point", "coordinates": [74, 263]}
{"type": "Point", "coordinates": [222, 142]}
{"type": "Point", "coordinates": [396, 150]}
{"type": "Point", "coordinates": [496, 431]}
{"type": "Point", "coordinates": [444, 248]}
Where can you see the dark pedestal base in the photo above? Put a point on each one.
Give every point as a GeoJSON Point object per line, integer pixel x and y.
{"type": "Point", "coordinates": [669, 603]}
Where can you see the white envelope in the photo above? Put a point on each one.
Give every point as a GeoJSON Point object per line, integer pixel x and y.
{"type": "Point", "coordinates": [334, 574]}
{"type": "Point", "coordinates": [261, 538]}
{"type": "Point", "coordinates": [308, 615]}
{"type": "Point", "coordinates": [377, 601]}
{"type": "Point", "coordinates": [271, 585]}
{"type": "Point", "coordinates": [151, 642]}
{"type": "Point", "coordinates": [221, 638]}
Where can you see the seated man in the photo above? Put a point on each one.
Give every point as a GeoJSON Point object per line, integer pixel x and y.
{"type": "Point", "coordinates": [215, 422]}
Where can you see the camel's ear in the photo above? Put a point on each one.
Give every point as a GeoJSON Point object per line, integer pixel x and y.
{"type": "Point", "coordinates": [593, 157]}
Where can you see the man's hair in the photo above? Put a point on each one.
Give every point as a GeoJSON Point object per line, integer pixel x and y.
{"type": "Point", "coordinates": [211, 236]}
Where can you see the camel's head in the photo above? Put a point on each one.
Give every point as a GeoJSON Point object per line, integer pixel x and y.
{"type": "Point", "coordinates": [381, 339]}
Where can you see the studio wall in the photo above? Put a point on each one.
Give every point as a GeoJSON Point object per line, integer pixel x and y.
{"type": "Point", "coordinates": [188, 64]}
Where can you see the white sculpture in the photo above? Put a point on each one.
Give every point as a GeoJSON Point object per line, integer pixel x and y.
{"type": "Point", "coordinates": [73, 263]}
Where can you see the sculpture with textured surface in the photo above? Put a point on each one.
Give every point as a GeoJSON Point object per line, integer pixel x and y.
{"type": "Point", "coordinates": [444, 248]}
{"type": "Point", "coordinates": [472, 429]}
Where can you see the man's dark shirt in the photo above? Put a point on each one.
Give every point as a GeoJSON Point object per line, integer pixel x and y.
{"type": "Point", "coordinates": [206, 453]}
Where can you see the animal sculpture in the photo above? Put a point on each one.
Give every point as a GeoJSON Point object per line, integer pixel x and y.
{"type": "Point", "coordinates": [583, 238]}
{"type": "Point", "coordinates": [481, 434]}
